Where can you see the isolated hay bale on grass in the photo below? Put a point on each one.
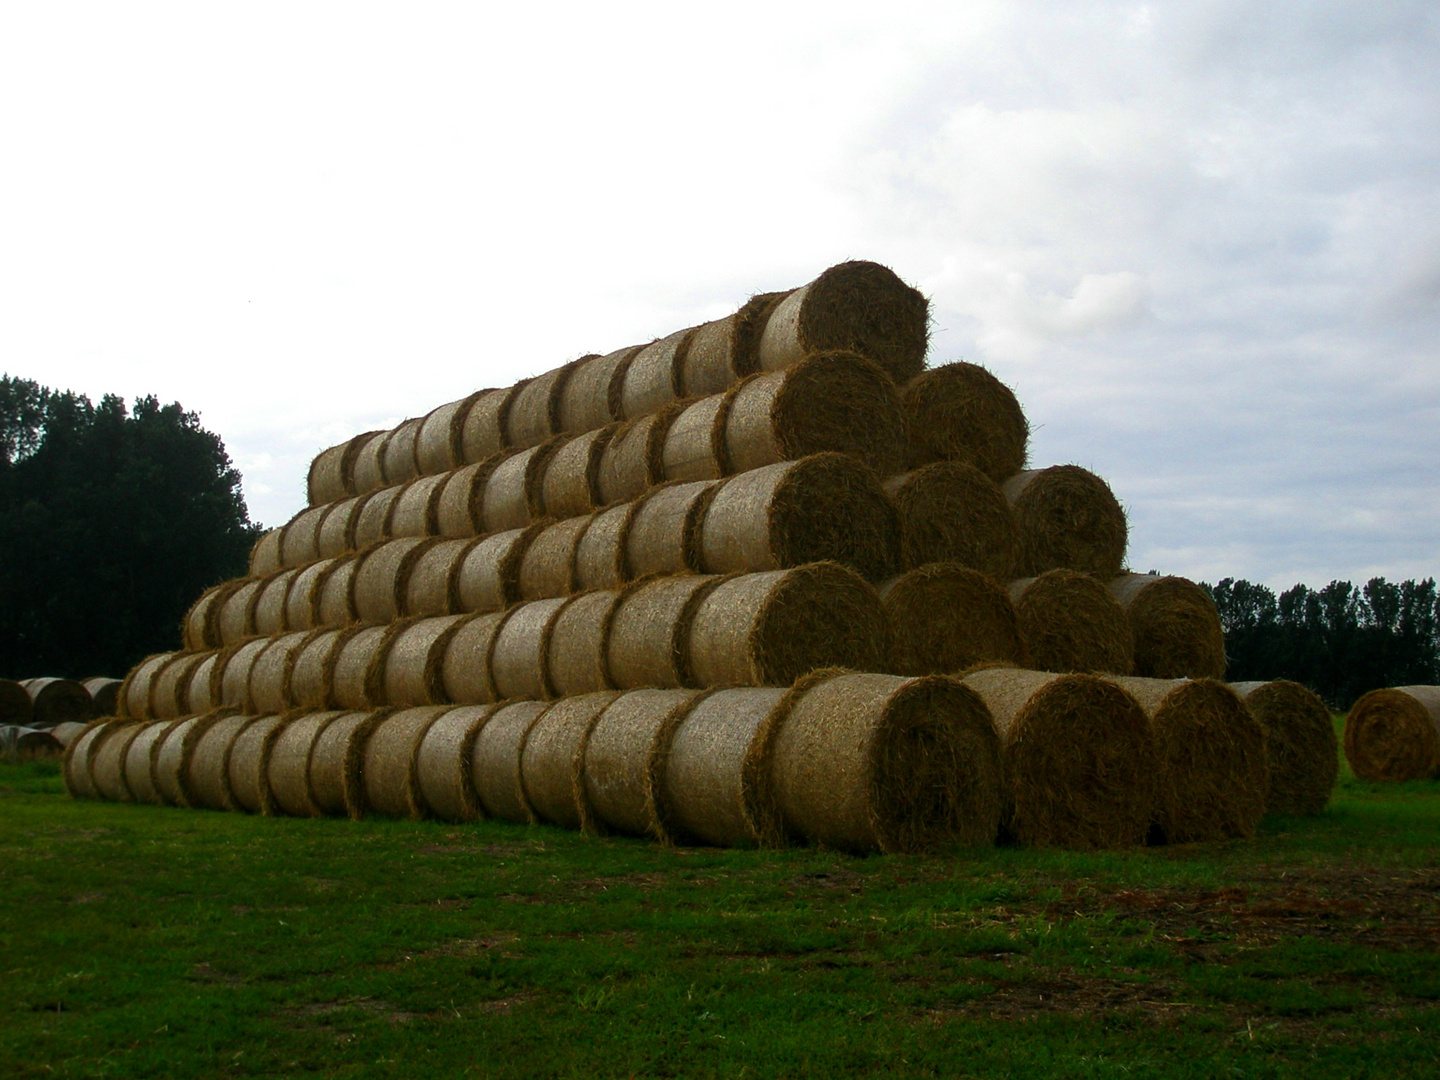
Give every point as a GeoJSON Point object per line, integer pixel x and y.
{"type": "Point", "coordinates": [652, 378]}
{"type": "Point", "coordinates": [944, 618]}
{"type": "Point", "coordinates": [332, 472]}
{"type": "Point", "coordinates": [440, 445]}
{"type": "Point", "coordinates": [287, 769]}
{"type": "Point", "coordinates": [368, 472]}
{"type": "Point", "coordinates": [433, 585]}
{"type": "Point", "coordinates": [1300, 745]}
{"type": "Point", "coordinates": [236, 620]}
{"type": "Point", "coordinates": [134, 696]}
{"type": "Point", "coordinates": [335, 599]}
{"type": "Point", "coordinates": [303, 597]}
{"type": "Point", "coordinates": [768, 629]}
{"type": "Point", "coordinates": [312, 675]}
{"type": "Point", "coordinates": [633, 461]}
{"type": "Point", "coordinates": [650, 629]}
{"type": "Point", "coordinates": [575, 656]}
{"type": "Point", "coordinates": [104, 694]}
{"type": "Point", "coordinates": [465, 670]}
{"type": "Point", "coordinates": [857, 305]}
{"type": "Point", "coordinates": [265, 555]}
{"type": "Point", "coordinates": [726, 350]}
{"type": "Point", "coordinates": [623, 762]}
{"type": "Point", "coordinates": [1394, 734]}
{"type": "Point", "coordinates": [952, 512]}
{"type": "Point", "coordinates": [600, 551]}
{"type": "Point", "coordinates": [355, 682]}
{"type": "Point", "coordinates": [336, 761]}
{"type": "Point", "coordinates": [482, 432]}
{"type": "Point", "coordinates": [1069, 622]}
{"type": "Point", "coordinates": [570, 484]}
{"type": "Point", "coordinates": [489, 575]}
{"type": "Point", "coordinates": [823, 507]}
{"type": "Point", "coordinates": [416, 511]}
{"type": "Point", "coordinates": [170, 688]}
{"type": "Point", "coordinates": [663, 537]}
{"type": "Point", "coordinates": [139, 761]}
{"type": "Point", "coordinates": [337, 530]}
{"type": "Point", "coordinates": [107, 764]}
{"type": "Point", "coordinates": [399, 464]}
{"type": "Point", "coordinates": [269, 689]}
{"type": "Point", "coordinates": [247, 767]}
{"type": "Point", "coordinates": [961, 412]}
{"type": "Point", "coordinates": [1175, 626]}
{"type": "Point", "coordinates": [208, 769]}
{"type": "Point", "coordinates": [495, 761]}
{"type": "Point", "coordinates": [694, 447]}
{"type": "Point", "coordinates": [410, 674]}
{"type": "Point", "coordinates": [1068, 518]}
{"type": "Point", "coordinates": [534, 413]}
{"type": "Point", "coordinates": [389, 769]}
{"type": "Point", "coordinates": [372, 521]}
{"type": "Point", "coordinates": [590, 398]}
{"type": "Point", "coordinates": [380, 578]}
{"type": "Point", "coordinates": [1080, 758]}
{"type": "Point", "coordinates": [520, 656]}
{"type": "Point", "coordinates": [272, 602]}
{"type": "Point", "coordinates": [443, 769]}
{"type": "Point", "coordinates": [300, 543]}
{"type": "Point", "coordinates": [58, 701]}
{"type": "Point", "coordinates": [550, 777]}
{"type": "Point", "coordinates": [512, 496]}
{"type": "Point", "coordinates": [548, 566]}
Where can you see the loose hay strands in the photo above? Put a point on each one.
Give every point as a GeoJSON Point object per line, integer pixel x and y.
{"type": "Point", "coordinates": [1068, 518]}
{"type": "Point", "coordinates": [534, 413]}
{"type": "Point", "coordinates": [265, 556]}
{"type": "Point", "coordinates": [399, 464]}
{"type": "Point", "coordinates": [236, 620]}
{"type": "Point", "coordinates": [465, 670]}
{"type": "Point", "coordinates": [199, 630]}
{"type": "Point", "coordinates": [549, 771]}
{"type": "Point", "coordinates": [443, 771]}
{"type": "Point", "coordinates": [769, 629]}
{"type": "Point", "coordinates": [355, 683]}
{"type": "Point", "coordinates": [104, 694]}
{"type": "Point", "coordinates": [368, 472]}
{"type": "Point", "coordinates": [312, 677]}
{"type": "Point", "coordinates": [548, 566]}
{"type": "Point", "coordinates": [1214, 773]}
{"type": "Point", "coordinates": [302, 600]}
{"type": "Point", "coordinates": [1394, 734]}
{"type": "Point", "coordinates": [272, 602]}
{"type": "Point", "coordinates": [1175, 625]}
{"type": "Point", "coordinates": [633, 461]}
{"type": "Point", "coordinates": [58, 701]}
{"type": "Point", "coordinates": [1069, 622]}
{"type": "Point", "coordinates": [300, 543]}
{"type": "Point", "coordinates": [269, 689]}
{"type": "Point", "coordinates": [960, 412]}
{"type": "Point", "coordinates": [134, 694]}
{"type": "Point", "coordinates": [416, 511]}
{"type": "Point", "coordinates": [663, 537]}
{"type": "Point", "coordinates": [287, 770]}
{"type": "Point", "coordinates": [624, 756]}
{"type": "Point", "coordinates": [652, 378]}
{"type": "Point", "coordinates": [457, 514]}
{"type": "Point", "coordinates": [711, 794]}
{"type": "Point", "coordinates": [246, 770]}
{"type": "Point", "coordinates": [945, 618]}
{"type": "Point", "coordinates": [512, 497]}
{"type": "Point", "coordinates": [170, 759]}
{"type": "Point", "coordinates": [952, 512]}
{"type": "Point", "coordinates": [1080, 758]}
{"type": "Point", "coordinates": [482, 433]}
{"type": "Point", "coordinates": [372, 522]}
{"type": "Point", "coordinates": [1300, 744]}
{"type": "Point", "coordinates": [389, 771]}
{"type": "Point", "coordinates": [495, 761]}
{"type": "Point", "coordinates": [590, 398]}
{"type": "Point", "coordinates": [600, 551]}
{"type": "Point", "coordinates": [139, 761]}
{"type": "Point", "coordinates": [336, 761]}
{"type": "Point", "coordinates": [575, 656]}
{"type": "Point", "coordinates": [867, 762]}
{"type": "Point", "coordinates": [694, 447]}
{"type": "Point", "coordinates": [570, 485]}
{"type": "Point", "coordinates": [489, 575]}
{"type": "Point", "coordinates": [857, 305]}
{"type": "Point", "coordinates": [433, 585]}
{"type": "Point", "coordinates": [648, 633]}
{"type": "Point", "coordinates": [107, 765]}
{"type": "Point", "coordinates": [170, 688]}
{"type": "Point", "coordinates": [823, 507]}
{"type": "Point", "coordinates": [337, 531]}
{"type": "Point", "coordinates": [830, 401]}
{"type": "Point", "coordinates": [75, 764]}
{"type": "Point", "coordinates": [380, 578]}
{"type": "Point", "coordinates": [207, 771]}
{"type": "Point", "coordinates": [411, 671]}
{"type": "Point", "coordinates": [335, 598]}
{"type": "Point", "coordinates": [519, 659]}
{"type": "Point", "coordinates": [439, 446]}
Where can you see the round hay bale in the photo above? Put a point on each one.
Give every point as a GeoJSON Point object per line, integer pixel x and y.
{"type": "Point", "coordinates": [534, 414]}
{"type": "Point", "coordinates": [28, 744]}
{"type": "Point", "coordinates": [170, 758]}
{"type": "Point", "coordinates": [952, 512]}
{"type": "Point", "coordinates": [548, 566]}
{"type": "Point", "coordinates": [457, 514]}
{"type": "Point", "coordinates": [170, 688]}
{"type": "Point", "coordinates": [410, 674]}
{"type": "Point", "coordinates": [694, 447]}
{"type": "Point", "coordinates": [58, 701]}
{"type": "Point", "coordinates": [331, 476]}
{"type": "Point", "coordinates": [273, 601]}
{"type": "Point", "coordinates": [489, 575]}
{"type": "Point", "coordinates": [335, 597]}
{"type": "Point", "coordinates": [443, 770]}
{"type": "Point", "coordinates": [1214, 774]}
{"type": "Point", "coordinates": [270, 676]}
{"type": "Point", "coordinates": [134, 696]}
{"type": "Point", "coordinates": [623, 762]}
{"type": "Point", "coordinates": [337, 531]}
{"type": "Point", "coordinates": [571, 483]}
{"type": "Point", "coordinates": [465, 670]}
{"type": "Point", "coordinates": [336, 760]}
{"type": "Point", "coordinates": [648, 633]}
{"type": "Point", "coordinates": [945, 618]}
{"type": "Point", "coordinates": [399, 463]}
{"type": "Point", "coordinates": [663, 537]}
{"type": "Point", "coordinates": [381, 576]}
{"type": "Point", "coordinates": [104, 694]}
{"type": "Point", "coordinates": [372, 523]}
{"type": "Point", "coordinates": [247, 773]}
{"type": "Point", "coordinates": [575, 660]}
{"type": "Point", "coordinates": [439, 446]}
{"type": "Point", "coordinates": [312, 675]}
{"type": "Point", "coordinates": [208, 770]}
{"type": "Point", "coordinates": [652, 378]}
{"type": "Point", "coordinates": [75, 765]}
{"type": "Point", "coordinates": [727, 349]}
{"type": "Point", "coordinates": [1300, 745]}
{"type": "Point", "coordinates": [231, 675]}
{"type": "Point", "coordinates": [107, 764]}
{"type": "Point", "coordinates": [1080, 758]}
{"type": "Point", "coordinates": [302, 600]}
{"type": "Point", "coordinates": [512, 494]}
{"type": "Point", "coordinates": [590, 398]}
{"type": "Point", "coordinates": [265, 555]}
{"type": "Point", "coordinates": [1175, 627]}
{"type": "Point", "coordinates": [200, 694]}
{"type": "Point", "coordinates": [65, 734]}
{"type": "Point", "coordinates": [769, 629]}
{"type": "Point", "coordinates": [633, 461]}
{"type": "Point", "coordinates": [301, 542]}
{"type": "Point", "coordinates": [14, 703]}
{"type": "Point", "coordinates": [866, 762]}
{"type": "Point", "coordinates": [355, 683]}
{"type": "Point", "coordinates": [1069, 622]}
{"type": "Point", "coordinates": [495, 761]}
{"type": "Point", "coordinates": [368, 472]}
{"type": "Point", "coordinates": [1393, 735]}
{"type": "Point", "coordinates": [823, 507]}
{"type": "Point", "coordinates": [600, 551]}
{"type": "Point", "coordinates": [712, 795]}
{"type": "Point", "coordinates": [287, 769]}
{"type": "Point", "coordinates": [1068, 518]}
{"type": "Point", "coordinates": [520, 656]}
{"type": "Point", "coordinates": [482, 432]}
{"type": "Point", "coordinates": [389, 771]}
{"type": "Point", "coordinates": [433, 584]}
{"type": "Point", "coordinates": [960, 412]}
{"type": "Point", "coordinates": [139, 758]}
{"type": "Point", "coordinates": [549, 771]}
{"type": "Point", "coordinates": [236, 620]}
{"type": "Point", "coordinates": [417, 509]}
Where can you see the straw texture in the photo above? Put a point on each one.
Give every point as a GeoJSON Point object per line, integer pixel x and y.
{"type": "Point", "coordinates": [482, 432]}
{"type": "Point", "coordinates": [398, 463]}
{"type": "Point", "coordinates": [443, 765]}
{"type": "Point", "coordinates": [300, 543]}
{"type": "Point", "coordinates": [287, 770]}
{"type": "Point", "coordinates": [571, 481]}
{"type": "Point", "coordinates": [952, 512]}
{"type": "Point", "coordinates": [269, 688]}
{"type": "Point", "coordinates": [624, 758]}
{"type": "Point", "coordinates": [663, 537]}
{"type": "Point", "coordinates": [139, 776]}
{"type": "Point", "coordinates": [312, 675]}
{"type": "Point", "coordinates": [1394, 734]}
{"type": "Point", "coordinates": [650, 629]}
{"type": "Point", "coordinates": [652, 378]}
{"type": "Point", "coordinates": [1069, 622]}
{"type": "Point", "coordinates": [433, 584]}
{"type": "Point", "coordinates": [58, 701]}
{"type": "Point", "coordinates": [355, 682]}
{"type": "Point", "coordinates": [381, 577]}
{"type": "Point", "coordinates": [208, 768]}
{"type": "Point", "coordinates": [489, 575]}
{"type": "Point", "coordinates": [390, 769]}
{"type": "Point", "coordinates": [633, 460]}
{"type": "Point", "coordinates": [1300, 745]}
{"type": "Point", "coordinates": [961, 412]}
{"type": "Point", "coordinates": [372, 520]}
{"type": "Point", "coordinates": [336, 761]}
{"type": "Point", "coordinates": [236, 620]}
{"type": "Point", "coordinates": [575, 657]}
{"type": "Point", "coordinates": [411, 672]}
{"type": "Point", "coordinates": [271, 603]}
{"type": "Point", "coordinates": [550, 762]}
{"type": "Point", "coordinates": [495, 761]}
{"type": "Point", "coordinates": [590, 398]}
{"type": "Point", "coordinates": [600, 551]}
{"type": "Point", "coordinates": [1175, 627]}
{"type": "Point", "coordinates": [337, 530]}
{"type": "Point", "coordinates": [465, 670]}
{"type": "Point", "coordinates": [694, 446]}
{"type": "Point", "coordinates": [417, 509]}
{"type": "Point", "coordinates": [107, 764]}
{"type": "Point", "coordinates": [519, 660]}
{"type": "Point", "coordinates": [534, 414]}
{"type": "Point", "coordinates": [135, 691]}
{"type": "Point", "coordinates": [265, 555]}
{"type": "Point", "coordinates": [1068, 518]}
{"type": "Point", "coordinates": [512, 498]}
{"type": "Point", "coordinates": [945, 618]}
{"type": "Point", "coordinates": [439, 447]}
{"type": "Point", "coordinates": [247, 772]}
{"type": "Point", "coordinates": [548, 565]}
{"type": "Point", "coordinates": [104, 694]}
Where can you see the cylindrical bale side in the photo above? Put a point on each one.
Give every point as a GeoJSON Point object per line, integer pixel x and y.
{"type": "Point", "coordinates": [576, 653]}
{"type": "Point", "coordinates": [1175, 627]}
{"type": "Point", "coordinates": [107, 765]}
{"type": "Point", "coordinates": [236, 620]}
{"type": "Point", "coordinates": [272, 602]}
{"type": "Point", "coordinates": [549, 771]}
{"type": "Point", "coordinates": [207, 772]}
{"type": "Point", "coordinates": [417, 510]}
{"type": "Point", "coordinates": [945, 618]}
{"type": "Point", "coordinates": [265, 555]}
{"type": "Point", "coordinates": [287, 770]}
{"type": "Point", "coordinates": [512, 498]}
{"type": "Point", "coordinates": [519, 659]}
{"type": "Point", "coordinates": [623, 763]}
{"type": "Point", "coordinates": [170, 688]}
{"type": "Point", "coordinates": [652, 379]}
{"type": "Point", "coordinates": [104, 694]}
{"type": "Point", "coordinates": [389, 770]}
{"type": "Point", "coordinates": [201, 695]}
{"type": "Point", "coordinates": [855, 305]}
{"type": "Point", "coordinates": [302, 598]}
{"type": "Point", "coordinates": [269, 690]}
{"type": "Point", "coordinates": [331, 478]}
{"type": "Point", "coordinates": [489, 576]}
{"type": "Point", "coordinates": [139, 759]}
{"type": "Point", "coordinates": [600, 551]}
{"type": "Point", "coordinates": [439, 447]}
{"type": "Point", "coordinates": [465, 670]}
{"type": "Point", "coordinates": [1300, 745]}
{"type": "Point", "coordinates": [1068, 518]}
{"type": "Point", "coordinates": [646, 643]}
{"type": "Point", "coordinates": [170, 759]}
{"type": "Point", "coordinates": [230, 678]}
{"type": "Point", "coordinates": [335, 596]}
{"type": "Point", "coordinates": [247, 768]}
{"type": "Point", "coordinates": [199, 630]}
{"type": "Point", "coordinates": [826, 507]}
{"type": "Point", "coordinates": [443, 770]}
{"type": "Point", "coordinates": [372, 524]}
{"type": "Point", "coordinates": [482, 432]}
{"type": "Point", "coordinates": [355, 682]}
{"type": "Point", "coordinates": [1393, 735]}
{"type": "Point", "coordinates": [590, 398]}
{"type": "Point", "coordinates": [301, 542]}
{"type": "Point", "coordinates": [75, 764]}
{"type": "Point", "coordinates": [633, 461]}
{"type": "Point", "coordinates": [495, 761]}
{"type": "Point", "coordinates": [960, 412]}
{"type": "Point", "coordinates": [694, 446]}
{"type": "Point", "coordinates": [1069, 622]}
{"type": "Point", "coordinates": [337, 530]}
{"type": "Point", "coordinates": [411, 671]}
{"type": "Point", "coordinates": [134, 697]}
{"type": "Point", "coordinates": [952, 512]}
{"type": "Point", "coordinates": [726, 350]}
{"type": "Point", "coordinates": [457, 514]}
{"type": "Point", "coordinates": [368, 472]}
{"type": "Point", "coordinates": [312, 676]}
{"type": "Point", "coordinates": [571, 482]}
{"type": "Point", "coordinates": [534, 414]}
{"type": "Point", "coordinates": [380, 579]}
{"type": "Point", "coordinates": [663, 537]}
{"type": "Point", "coordinates": [548, 566]}
{"type": "Point", "coordinates": [1080, 759]}
{"type": "Point", "coordinates": [399, 462]}
{"type": "Point", "coordinates": [58, 701]}
{"type": "Point", "coordinates": [336, 762]}
{"type": "Point", "coordinates": [433, 584]}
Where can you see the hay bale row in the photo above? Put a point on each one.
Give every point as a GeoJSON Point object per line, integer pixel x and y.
{"type": "Point", "coordinates": [1393, 735]}
{"type": "Point", "coordinates": [45, 703]}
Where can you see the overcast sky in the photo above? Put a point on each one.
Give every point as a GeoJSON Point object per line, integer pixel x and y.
{"type": "Point", "coordinates": [1200, 240]}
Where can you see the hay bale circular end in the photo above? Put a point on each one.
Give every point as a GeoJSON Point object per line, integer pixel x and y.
{"type": "Point", "coordinates": [1393, 735]}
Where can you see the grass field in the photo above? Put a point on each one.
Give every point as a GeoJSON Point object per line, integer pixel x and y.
{"type": "Point", "coordinates": [146, 941]}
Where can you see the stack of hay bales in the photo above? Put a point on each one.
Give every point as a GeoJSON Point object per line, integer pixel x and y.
{"type": "Point", "coordinates": [39, 717]}
{"type": "Point", "coordinates": [761, 580]}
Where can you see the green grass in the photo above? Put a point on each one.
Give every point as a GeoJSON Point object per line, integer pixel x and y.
{"type": "Point", "coordinates": [146, 942]}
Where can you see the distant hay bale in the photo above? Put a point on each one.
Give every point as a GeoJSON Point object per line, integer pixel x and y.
{"type": "Point", "coordinates": [945, 618]}
{"type": "Point", "coordinates": [711, 794]}
{"type": "Point", "coordinates": [139, 758]}
{"type": "Point", "coordinates": [247, 768]}
{"type": "Point", "coordinates": [201, 696]}
{"type": "Point", "coordinates": [208, 770]}
{"type": "Point", "coordinates": [287, 770]}
{"type": "Point", "coordinates": [482, 433]}
{"type": "Point", "coordinates": [961, 412]}
{"type": "Point", "coordinates": [826, 507]}
{"type": "Point", "coordinates": [694, 447]}
{"type": "Point", "coordinates": [768, 629]}
{"type": "Point", "coordinates": [649, 630]}
{"type": "Point", "coordinates": [270, 676]}
{"type": "Point", "coordinates": [1069, 622]}
{"type": "Point", "coordinates": [1175, 625]}
{"type": "Point", "coordinates": [1393, 735]}
{"type": "Point", "coordinates": [14, 703]}
{"type": "Point", "coordinates": [489, 575]}
{"type": "Point", "coordinates": [952, 512]}
{"type": "Point", "coordinates": [663, 537]}
{"type": "Point", "coordinates": [389, 769]}
{"type": "Point", "coordinates": [170, 688]}
{"type": "Point", "coordinates": [830, 401]}
{"type": "Point", "coordinates": [726, 350]}
{"type": "Point", "coordinates": [64, 734]}
{"type": "Point", "coordinates": [576, 653]}
{"type": "Point", "coordinates": [440, 445]}
{"type": "Point", "coordinates": [512, 497]}
{"type": "Point", "coordinates": [302, 599]}
{"type": "Point", "coordinates": [399, 464]}
{"type": "Point", "coordinates": [457, 514]}
{"type": "Point", "coordinates": [465, 670]}
{"type": "Point", "coordinates": [1080, 759]}
{"type": "Point", "coordinates": [236, 619]}
{"type": "Point", "coordinates": [355, 683]}
{"type": "Point", "coordinates": [519, 658]}
{"type": "Point", "coordinates": [433, 585]}
{"type": "Point", "coordinates": [623, 761]}
{"type": "Point", "coordinates": [866, 762]}
{"type": "Point", "coordinates": [335, 597]}
{"type": "Point", "coordinates": [368, 472]}
{"type": "Point", "coordinates": [332, 474]}
{"type": "Point", "coordinates": [232, 672]}
{"type": "Point", "coordinates": [1214, 773]}
{"type": "Point", "coordinates": [75, 764]}
{"type": "Point", "coordinates": [336, 760]}
{"type": "Point", "coordinates": [570, 485]}
{"type": "Point", "coordinates": [548, 565]}
{"type": "Point", "coordinates": [534, 413]}
{"type": "Point", "coordinates": [300, 543]}
{"type": "Point", "coordinates": [312, 675]}
{"type": "Point", "coordinates": [590, 398]}
{"type": "Point", "coordinates": [1300, 745]}
{"type": "Point", "coordinates": [134, 696]}
{"type": "Point", "coordinates": [372, 522]}
{"type": "Point", "coordinates": [58, 701]}
{"type": "Point", "coordinates": [1068, 518]}
{"type": "Point", "coordinates": [652, 378]}
{"type": "Point", "coordinates": [273, 601]}
{"type": "Point", "coordinates": [28, 744]}
{"type": "Point", "coordinates": [104, 694]}
{"type": "Point", "coordinates": [170, 759]}
{"type": "Point", "coordinates": [600, 551]}
{"type": "Point", "coordinates": [495, 761]}
{"type": "Point", "coordinates": [417, 508]}
{"type": "Point", "coordinates": [633, 461]}
{"type": "Point", "coordinates": [337, 531]}
{"type": "Point", "coordinates": [265, 555]}
{"type": "Point", "coordinates": [443, 767]}
{"type": "Point", "coordinates": [410, 674]}
{"type": "Point", "coordinates": [856, 305]}
{"type": "Point", "coordinates": [380, 579]}
{"type": "Point", "coordinates": [549, 764]}
{"type": "Point", "coordinates": [107, 765]}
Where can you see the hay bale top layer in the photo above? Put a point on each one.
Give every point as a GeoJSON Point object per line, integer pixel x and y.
{"type": "Point", "coordinates": [1394, 734]}
{"type": "Point", "coordinates": [1300, 743]}
{"type": "Point", "coordinates": [590, 398]}
{"type": "Point", "coordinates": [1069, 622]}
{"type": "Point", "coordinates": [945, 618]}
{"type": "Point", "coordinates": [961, 412]}
{"type": "Point", "coordinates": [439, 448]}
{"type": "Point", "coordinates": [1068, 518]}
{"type": "Point", "coordinates": [265, 555]}
{"type": "Point", "coordinates": [953, 512]}
{"type": "Point", "coordinates": [1176, 627]}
